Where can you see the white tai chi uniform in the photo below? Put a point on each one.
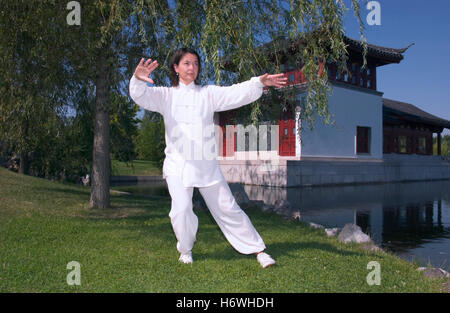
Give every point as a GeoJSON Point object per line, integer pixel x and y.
{"type": "Point", "coordinates": [188, 112]}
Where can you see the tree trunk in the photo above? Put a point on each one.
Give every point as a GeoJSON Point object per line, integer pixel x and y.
{"type": "Point", "coordinates": [23, 155]}
{"type": "Point", "coordinates": [101, 159]}
{"type": "Point", "coordinates": [24, 164]}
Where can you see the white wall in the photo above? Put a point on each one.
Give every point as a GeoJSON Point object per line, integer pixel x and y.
{"type": "Point", "coordinates": [349, 107]}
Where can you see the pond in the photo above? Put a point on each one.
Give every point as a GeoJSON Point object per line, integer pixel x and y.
{"type": "Point", "coordinates": [410, 219]}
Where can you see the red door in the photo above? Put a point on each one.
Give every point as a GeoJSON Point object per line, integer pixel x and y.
{"type": "Point", "coordinates": [229, 140]}
{"type": "Point", "coordinates": [287, 137]}
{"type": "Point", "coordinates": [228, 144]}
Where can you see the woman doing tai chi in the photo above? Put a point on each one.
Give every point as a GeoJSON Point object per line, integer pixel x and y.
{"type": "Point", "coordinates": [188, 109]}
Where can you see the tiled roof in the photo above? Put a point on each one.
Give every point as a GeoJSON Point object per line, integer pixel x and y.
{"type": "Point", "coordinates": [390, 54]}
{"type": "Point", "coordinates": [413, 113]}
{"type": "Point", "coordinates": [387, 55]}
{"type": "Point", "coordinates": [383, 55]}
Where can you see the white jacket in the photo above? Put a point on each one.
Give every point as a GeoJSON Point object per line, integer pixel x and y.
{"type": "Point", "coordinates": [188, 112]}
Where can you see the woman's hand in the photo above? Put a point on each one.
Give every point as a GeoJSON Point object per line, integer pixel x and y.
{"type": "Point", "coordinates": [144, 69]}
{"type": "Point", "coordinates": [276, 80]}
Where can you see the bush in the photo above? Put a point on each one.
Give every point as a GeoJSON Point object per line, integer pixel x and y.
{"type": "Point", "coordinates": [150, 141]}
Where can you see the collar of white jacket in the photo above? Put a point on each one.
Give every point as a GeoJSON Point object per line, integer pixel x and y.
{"type": "Point", "coordinates": [189, 86]}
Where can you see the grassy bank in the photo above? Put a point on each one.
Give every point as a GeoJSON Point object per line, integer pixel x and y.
{"type": "Point", "coordinates": [135, 168]}
{"type": "Point", "coordinates": [131, 248]}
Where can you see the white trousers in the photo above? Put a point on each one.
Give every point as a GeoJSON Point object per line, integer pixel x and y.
{"type": "Point", "coordinates": [234, 223]}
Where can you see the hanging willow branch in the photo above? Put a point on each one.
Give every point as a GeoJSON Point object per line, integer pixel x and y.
{"type": "Point", "coordinates": [240, 39]}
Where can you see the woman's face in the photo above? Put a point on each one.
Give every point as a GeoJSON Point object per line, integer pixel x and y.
{"type": "Point", "coordinates": [187, 68]}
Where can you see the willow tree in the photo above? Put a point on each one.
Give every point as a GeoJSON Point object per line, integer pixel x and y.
{"type": "Point", "coordinates": [236, 40]}
{"type": "Point", "coordinates": [100, 52]}
{"type": "Point", "coordinates": [31, 83]}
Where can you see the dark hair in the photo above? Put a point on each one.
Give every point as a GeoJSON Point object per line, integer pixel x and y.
{"type": "Point", "coordinates": [176, 57]}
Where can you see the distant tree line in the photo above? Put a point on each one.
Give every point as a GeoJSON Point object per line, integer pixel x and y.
{"type": "Point", "coordinates": [445, 145]}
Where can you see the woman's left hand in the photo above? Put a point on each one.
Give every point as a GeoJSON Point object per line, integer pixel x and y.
{"type": "Point", "coordinates": [276, 80]}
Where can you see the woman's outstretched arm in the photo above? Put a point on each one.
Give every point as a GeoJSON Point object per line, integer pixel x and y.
{"type": "Point", "coordinates": [149, 98]}
{"type": "Point", "coordinates": [237, 95]}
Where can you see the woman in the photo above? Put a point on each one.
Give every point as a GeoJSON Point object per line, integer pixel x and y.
{"type": "Point", "coordinates": [188, 110]}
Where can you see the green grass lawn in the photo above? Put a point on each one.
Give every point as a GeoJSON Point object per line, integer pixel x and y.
{"type": "Point", "coordinates": [135, 168]}
{"type": "Point", "coordinates": [44, 225]}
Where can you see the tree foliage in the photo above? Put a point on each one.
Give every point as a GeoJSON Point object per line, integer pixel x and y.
{"type": "Point", "coordinates": [445, 146]}
{"type": "Point", "coordinates": [123, 128]}
{"type": "Point", "coordinates": [150, 142]}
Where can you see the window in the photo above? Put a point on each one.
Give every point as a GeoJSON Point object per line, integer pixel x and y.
{"type": "Point", "coordinates": [402, 144]}
{"type": "Point", "coordinates": [301, 99]}
{"type": "Point", "coordinates": [361, 82]}
{"type": "Point", "coordinates": [362, 139]}
{"type": "Point", "coordinates": [291, 78]}
{"type": "Point", "coordinates": [369, 84]}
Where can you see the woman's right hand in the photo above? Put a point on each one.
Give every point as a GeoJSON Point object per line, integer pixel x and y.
{"type": "Point", "coordinates": [144, 69]}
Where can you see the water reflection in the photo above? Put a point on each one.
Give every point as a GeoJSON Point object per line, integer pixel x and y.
{"type": "Point", "coordinates": [410, 219]}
